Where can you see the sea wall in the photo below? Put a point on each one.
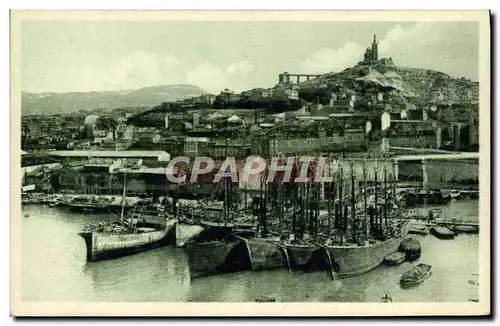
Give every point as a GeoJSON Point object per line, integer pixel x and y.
{"type": "Point", "coordinates": [441, 171]}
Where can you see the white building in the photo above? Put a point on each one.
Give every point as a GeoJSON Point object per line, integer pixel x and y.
{"type": "Point", "coordinates": [194, 146]}
{"type": "Point", "coordinates": [292, 94]}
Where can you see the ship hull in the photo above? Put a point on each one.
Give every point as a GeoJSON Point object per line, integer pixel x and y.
{"type": "Point", "coordinates": [185, 232]}
{"type": "Point", "coordinates": [265, 254]}
{"type": "Point", "coordinates": [443, 233]}
{"type": "Point", "coordinates": [350, 261]}
{"type": "Point", "coordinates": [304, 256]}
{"type": "Point", "coordinates": [215, 257]}
{"type": "Point", "coordinates": [103, 246]}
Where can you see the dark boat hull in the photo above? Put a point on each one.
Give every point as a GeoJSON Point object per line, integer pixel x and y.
{"type": "Point", "coordinates": [347, 261]}
{"type": "Point", "coordinates": [304, 256]}
{"type": "Point", "coordinates": [265, 254]}
{"type": "Point", "coordinates": [415, 276]}
{"type": "Point", "coordinates": [466, 229]}
{"type": "Point", "coordinates": [94, 209]}
{"type": "Point", "coordinates": [185, 232]}
{"type": "Point", "coordinates": [215, 257]}
{"type": "Point", "coordinates": [110, 246]}
{"type": "Point", "coordinates": [395, 259]}
{"type": "Point", "coordinates": [441, 233]}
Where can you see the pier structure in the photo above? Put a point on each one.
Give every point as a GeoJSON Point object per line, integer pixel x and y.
{"type": "Point", "coordinates": [286, 78]}
{"type": "Point", "coordinates": [424, 158]}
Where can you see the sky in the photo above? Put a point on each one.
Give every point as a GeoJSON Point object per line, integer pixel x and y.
{"type": "Point", "coordinates": [67, 56]}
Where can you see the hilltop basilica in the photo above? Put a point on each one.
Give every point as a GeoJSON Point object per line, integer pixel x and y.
{"type": "Point", "coordinates": [371, 55]}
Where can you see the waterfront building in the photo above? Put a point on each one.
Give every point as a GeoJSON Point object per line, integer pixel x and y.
{"type": "Point", "coordinates": [79, 155]}
{"type": "Point", "coordinates": [194, 146]}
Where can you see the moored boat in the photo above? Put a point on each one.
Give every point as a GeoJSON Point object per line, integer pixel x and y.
{"type": "Point", "coordinates": [466, 229]}
{"type": "Point", "coordinates": [411, 247]}
{"type": "Point", "coordinates": [416, 275]}
{"type": "Point", "coordinates": [185, 232]}
{"type": "Point", "coordinates": [265, 253]}
{"type": "Point", "coordinates": [223, 254]}
{"type": "Point", "coordinates": [121, 238]}
{"type": "Point", "coordinates": [265, 299]}
{"type": "Point", "coordinates": [113, 241]}
{"type": "Point", "coordinates": [416, 228]}
{"type": "Point", "coordinates": [455, 194]}
{"type": "Point", "coordinates": [473, 287]}
{"type": "Point", "coordinates": [396, 258]}
{"type": "Point", "coordinates": [355, 260]}
{"type": "Point", "coordinates": [303, 255]}
{"type": "Point", "coordinates": [442, 232]}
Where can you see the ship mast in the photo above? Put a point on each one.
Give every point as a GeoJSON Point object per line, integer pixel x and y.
{"type": "Point", "coordinates": [365, 198]}
{"type": "Point", "coordinates": [261, 203]}
{"type": "Point", "coordinates": [316, 218]}
{"type": "Point", "coordinates": [123, 196]}
{"type": "Point", "coordinates": [336, 200]}
{"type": "Point", "coordinates": [277, 204]}
{"type": "Point", "coordinates": [353, 203]}
{"type": "Point", "coordinates": [329, 226]}
{"type": "Point", "coordinates": [266, 196]}
{"type": "Point", "coordinates": [165, 194]}
{"type": "Point", "coordinates": [303, 209]}
{"type": "Point", "coordinates": [283, 202]}
{"type": "Point", "coordinates": [341, 204]}
{"type": "Point", "coordinates": [393, 184]}
{"type": "Point", "coordinates": [295, 190]}
{"type": "Point", "coordinates": [226, 183]}
{"type": "Point", "coordinates": [246, 198]}
{"type": "Point", "coordinates": [377, 225]}
{"type": "Point", "coordinates": [385, 192]}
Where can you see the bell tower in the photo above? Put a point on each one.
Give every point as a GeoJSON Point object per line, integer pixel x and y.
{"type": "Point", "coordinates": [374, 48]}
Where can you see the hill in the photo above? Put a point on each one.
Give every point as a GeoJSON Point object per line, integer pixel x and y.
{"type": "Point", "coordinates": [403, 87]}
{"type": "Point", "coordinates": [50, 103]}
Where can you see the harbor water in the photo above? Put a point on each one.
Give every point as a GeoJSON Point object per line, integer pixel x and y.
{"type": "Point", "coordinates": [54, 269]}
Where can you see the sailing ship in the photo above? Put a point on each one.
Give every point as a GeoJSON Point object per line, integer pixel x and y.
{"type": "Point", "coordinates": [365, 249]}
{"type": "Point", "coordinates": [346, 246]}
{"type": "Point", "coordinates": [305, 253]}
{"type": "Point", "coordinates": [217, 248]}
{"type": "Point", "coordinates": [266, 250]}
{"type": "Point", "coordinates": [121, 238]}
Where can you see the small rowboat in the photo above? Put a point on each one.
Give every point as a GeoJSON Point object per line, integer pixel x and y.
{"type": "Point", "coordinates": [265, 299]}
{"type": "Point", "coordinates": [442, 232]}
{"type": "Point", "coordinates": [418, 229]}
{"type": "Point", "coordinates": [416, 275]}
{"type": "Point", "coordinates": [473, 287]}
{"type": "Point", "coordinates": [411, 247]}
{"type": "Point", "coordinates": [455, 194]}
{"type": "Point", "coordinates": [395, 258]}
{"type": "Point", "coordinates": [466, 229]}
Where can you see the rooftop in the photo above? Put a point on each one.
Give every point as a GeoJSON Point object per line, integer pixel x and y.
{"type": "Point", "coordinates": [196, 139]}
{"type": "Point", "coordinates": [109, 154]}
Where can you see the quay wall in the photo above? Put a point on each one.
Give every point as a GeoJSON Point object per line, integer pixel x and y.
{"type": "Point", "coordinates": [441, 171]}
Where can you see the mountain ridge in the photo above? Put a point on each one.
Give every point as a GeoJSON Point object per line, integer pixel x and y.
{"type": "Point", "coordinates": [68, 102]}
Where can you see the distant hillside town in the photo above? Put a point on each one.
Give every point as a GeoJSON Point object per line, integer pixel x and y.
{"type": "Point", "coordinates": [362, 110]}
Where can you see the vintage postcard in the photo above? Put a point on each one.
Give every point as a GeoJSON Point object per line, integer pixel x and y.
{"type": "Point", "coordinates": [258, 163]}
